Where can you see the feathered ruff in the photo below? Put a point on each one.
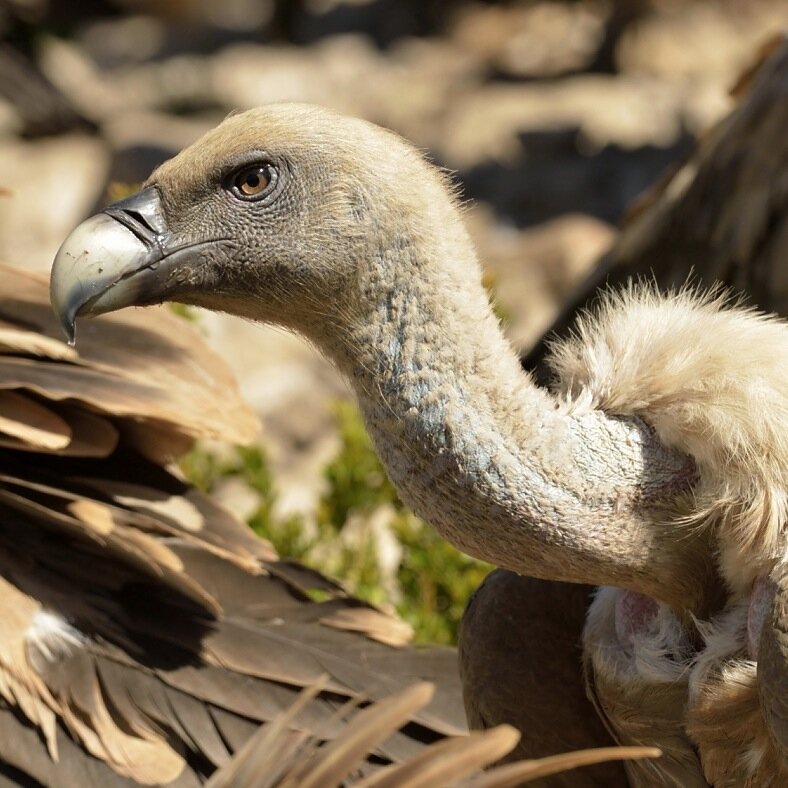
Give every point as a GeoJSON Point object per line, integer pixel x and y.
{"type": "Point", "coordinates": [726, 719]}
{"type": "Point", "coordinates": [711, 377]}
{"type": "Point", "coordinates": [737, 708]}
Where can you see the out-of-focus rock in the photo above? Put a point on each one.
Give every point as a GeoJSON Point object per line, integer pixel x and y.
{"type": "Point", "coordinates": [531, 272]}
{"type": "Point", "coordinates": [11, 122]}
{"type": "Point", "coordinates": [589, 144]}
{"type": "Point", "coordinates": [232, 492]}
{"type": "Point", "coordinates": [158, 31]}
{"type": "Point", "coordinates": [486, 124]}
{"type": "Point", "coordinates": [372, 530]}
{"type": "Point", "coordinates": [421, 81]}
{"type": "Point", "coordinates": [701, 48]}
{"type": "Point", "coordinates": [52, 185]}
{"type": "Point", "coordinates": [331, 73]}
{"type": "Point", "coordinates": [236, 496]}
{"type": "Point", "coordinates": [543, 39]}
{"type": "Point", "coordinates": [41, 107]}
{"type": "Point", "coordinates": [131, 39]}
{"type": "Point", "coordinates": [141, 140]}
{"type": "Point", "coordinates": [292, 389]}
{"type": "Point", "coordinates": [238, 15]}
{"type": "Point", "coordinates": [409, 88]}
{"type": "Point", "coordinates": [700, 42]}
{"type": "Point", "coordinates": [177, 83]}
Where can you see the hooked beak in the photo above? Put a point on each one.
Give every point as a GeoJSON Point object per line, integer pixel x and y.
{"type": "Point", "coordinates": [123, 256]}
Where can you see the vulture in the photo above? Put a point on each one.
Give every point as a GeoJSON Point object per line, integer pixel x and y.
{"type": "Point", "coordinates": [149, 638]}
{"type": "Point", "coordinates": [655, 468]}
{"type": "Point", "coordinates": [721, 215]}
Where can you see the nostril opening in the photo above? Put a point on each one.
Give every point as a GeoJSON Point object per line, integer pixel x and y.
{"type": "Point", "coordinates": [139, 217]}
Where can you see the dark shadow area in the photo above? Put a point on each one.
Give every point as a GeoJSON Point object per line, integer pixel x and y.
{"type": "Point", "coordinates": [91, 585]}
{"type": "Point", "coordinates": [106, 590]}
{"type": "Point", "coordinates": [135, 163]}
{"type": "Point", "coordinates": [385, 21]}
{"type": "Point", "coordinates": [553, 177]}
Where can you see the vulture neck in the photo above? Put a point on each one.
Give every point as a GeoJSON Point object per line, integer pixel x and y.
{"type": "Point", "coordinates": [488, 458]}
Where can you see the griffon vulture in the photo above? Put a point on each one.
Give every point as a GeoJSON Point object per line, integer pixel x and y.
{"type": "Point", "coordinates": [656, 468]}
{"type": "Point", "coordinates": [146, 636]}
{"type": "Point", "coordinates": [725, 214]}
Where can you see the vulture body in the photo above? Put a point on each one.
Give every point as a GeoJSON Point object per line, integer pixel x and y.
{"type": "Point", "coordinates": [722, 217]}
{"type": "Point", "coordinates": [655, 468]}
{"type": "Point", "coordinates": [525, 633]}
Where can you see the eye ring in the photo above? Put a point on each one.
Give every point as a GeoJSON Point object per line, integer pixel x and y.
{"type": "Point", "coordinates": [252, 182]}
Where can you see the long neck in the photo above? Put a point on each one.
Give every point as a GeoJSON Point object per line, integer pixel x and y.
{"type": "Point", "coordinates": [486, 457]}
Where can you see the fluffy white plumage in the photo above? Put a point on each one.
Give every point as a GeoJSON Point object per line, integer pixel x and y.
{"type": "Point", "coordinates": [711, 377]}
{"type": "Point", "coordinates": [51, 636]}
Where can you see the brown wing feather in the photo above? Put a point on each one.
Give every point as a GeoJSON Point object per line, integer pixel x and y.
{"type": "Point", "coordinates": [150, 365]}
{"type": "Point", "coordinates": [773, 663]}
{"type": "Point", "coordinates": [145, 633]}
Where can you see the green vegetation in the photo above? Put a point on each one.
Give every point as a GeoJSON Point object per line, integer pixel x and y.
{"type": "Point", "coordinates": [433, 580]}
{"type": "Point", "coordinates": [501, 312]}
{"type": "Point", "coordinates": [184, 311]}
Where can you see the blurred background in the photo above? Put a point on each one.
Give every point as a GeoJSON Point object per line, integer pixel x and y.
{"type": "Point", "coordinates": [553, 116]}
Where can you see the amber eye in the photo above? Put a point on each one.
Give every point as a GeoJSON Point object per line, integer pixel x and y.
{"type": "Point", "coordinates": [252, 182]}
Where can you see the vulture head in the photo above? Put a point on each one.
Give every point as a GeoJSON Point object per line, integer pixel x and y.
{"type": "Point", "coordinates": [269, 216]}
{"type": "Point", "coordinates": [658, 465]}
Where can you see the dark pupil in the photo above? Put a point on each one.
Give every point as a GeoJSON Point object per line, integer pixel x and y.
{"type": "Point", "coordinates": [253, 180]}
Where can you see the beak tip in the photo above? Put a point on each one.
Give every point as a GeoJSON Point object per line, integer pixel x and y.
{"type": "Point", "coordinates": [64, 306]}
{"type": "Point", "coordinates": [70, 330]}
{"type": "Point", "coordinates": [67, 323]}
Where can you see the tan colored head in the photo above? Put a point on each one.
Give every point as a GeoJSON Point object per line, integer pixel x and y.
{"type": "Point", "coordinates": [270, 216]}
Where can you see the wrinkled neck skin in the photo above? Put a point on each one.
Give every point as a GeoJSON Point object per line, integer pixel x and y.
{"type": "Point", "coordinates": [485, 456]}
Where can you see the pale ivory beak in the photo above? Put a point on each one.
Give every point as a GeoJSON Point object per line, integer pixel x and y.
{"type": "Point", "coordinates": [111, 260]}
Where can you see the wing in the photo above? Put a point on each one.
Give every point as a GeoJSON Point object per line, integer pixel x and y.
{"type": "Point", "coordinates": [145, 634]}
{"type": "Point", "coordinates": [521, 663]}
